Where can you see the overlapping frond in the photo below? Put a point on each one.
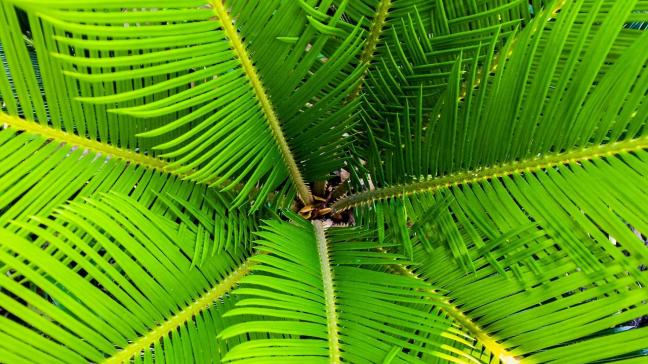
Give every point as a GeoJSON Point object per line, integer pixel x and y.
{"type": "Point", "coordinates": [498, 165]}
{"type": "Point", "coordinates": [412, 48]}
{"type": "Point", "coordinates": [535, 103]}
{"type": "Point", "coordinates": [247, 95]}
{"type": "Point", "coordinates": [449, 150]}
{"type": "Point", "coordinates": [33, 87]}
{"type": "Point", "coordinates": [107, 280]}
{"type": "Point", "coordinates": [564, 314]}
{"type": "Point", "coordinates": [330, 292]}
{"type": "Point", "coordinates": [412, 45]}
{"type": "Point", "coordinates": [43, 167]}
{"type": "Point", "coordinates": [542, 160]}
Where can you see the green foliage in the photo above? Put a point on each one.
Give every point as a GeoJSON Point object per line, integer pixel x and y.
{"type": "Point", "coordinates": [375, 310]}
{"type": "Point", "coordinates": [154, 156]}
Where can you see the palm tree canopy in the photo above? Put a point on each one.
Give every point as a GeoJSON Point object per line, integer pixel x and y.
{"type": "Point", "coordinates": [173, 181]}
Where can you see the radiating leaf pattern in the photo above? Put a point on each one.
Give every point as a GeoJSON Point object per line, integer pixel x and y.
{"type": "Point", "coordinates": [224, 114]}
{"type": "Point", "coordinates": [154, 156]}
{"type": "Point", "coordinates": [492, 185]}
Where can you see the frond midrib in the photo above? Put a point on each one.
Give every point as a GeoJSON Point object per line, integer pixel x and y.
{"type": "Point", "coordinates": [87, 144]}
{"type": "Point", "coordinates": [99, 148]}
{"type": "Point", "coordinates": [329, 292]}
{"type": "Point", "coordinates": [372, 41]}
{"type": "Point", "coordinates": [275, 125]}
{"type": "Point", "coordinates": [202, 303]}
{"type": "Point", "coordinates": [497, 349]}
{"type": "Point", "coordinates": [532, 165]}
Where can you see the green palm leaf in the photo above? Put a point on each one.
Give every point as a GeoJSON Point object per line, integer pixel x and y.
{"type": "Point", "coordinates": [44, 168]}
{"type": "Point", "coordinates": [564, 314]}
{"type": "Point", "coordinates": [462, 156]}
{"type": "Point", "coordinates": [224, 98]}
{"type": "Point", "coordinates": [514, 186]}
{"type": "Point", "coordinates": [34, 87]}
{"type": "Point", "coordinates": [107, 280]}
{"type": "Point", "coordinates": [328, 289]}
{"type": "Point", "coordinates": [413, 44]}
{"type": "Point", "coordinates": [492, 152]}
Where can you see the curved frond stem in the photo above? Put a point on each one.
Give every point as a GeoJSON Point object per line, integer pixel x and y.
{"type": "Point", "coordinates": [499, 59]}
{"type": "Point", "coordinates": [468, 177]}
{"type": "Point", "coordinates": [204, 302]}
{"type": "Point", "coordinates": [329, 292]}
{"type": "Point", "coordinates": [275, 126]}
{"type": "Point", "coordinates": [372, 41]}
{"type": "Point", "coordinates": [456, 314]}
{"type": "Point", "coordinates": [89, 144]}
{"type": "Point", "coordinates": [128, 156]}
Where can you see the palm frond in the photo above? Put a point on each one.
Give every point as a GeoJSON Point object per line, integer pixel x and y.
{"type": "Point", "coordinates": [43, 167]}
{"type": "Point", "coordinates": [536, 173]}
{"type": "Point", "coordinates": [600, 131]}
{"type": "Point", "coordinates": [108, 280]}
{"type": "Point", "coordinates": [327, 290]}
{"type": "Point", "coordinates": [34, 88]}
{"type": "Point", "coordinates": [221, 89]}
{"type": "Point", "coordinates": [564, 314]}
{"type": "Point", "coordinates": [413, 44]}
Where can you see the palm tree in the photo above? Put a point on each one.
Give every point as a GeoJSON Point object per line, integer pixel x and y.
{"type": "Point", "coordinates": [388, 181]}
